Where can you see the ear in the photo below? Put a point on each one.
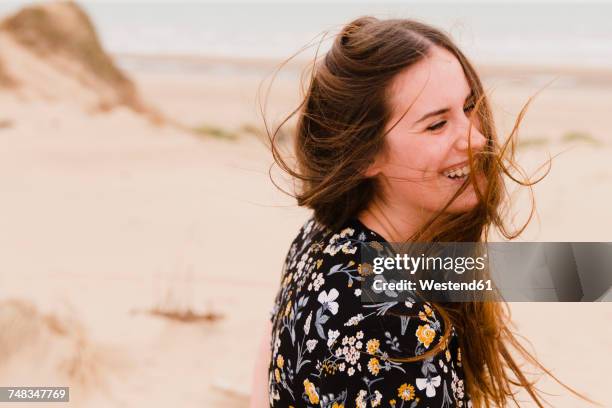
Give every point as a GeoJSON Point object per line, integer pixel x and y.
{"type": "Point", "coordinates": [374, 168]}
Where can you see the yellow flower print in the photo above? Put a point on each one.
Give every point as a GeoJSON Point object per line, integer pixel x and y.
{"type": "Point", "coordinates": [287, 308]}
{"type": "Point", "coordinates": [364, 269]}
{"type": "Point", "coordinates": [425, 335]}
{"type": "Point", "coordinates": [310, 390]}
{"type": "Point", "coordinates": [392, 402]}
{"type": "Point", "coordinates": [277, 375]}
{"type": "Point", "coordinates": [280, 361]}
{"type": "Point", "coordinates": [319, 263]}
{"type": "Point", "coordinates": [448, 355]}
{"type": "Point", "coordinates": [336, 405]}
{"type": "Point", "coordinates": [428, 310]}
{"type": "Point", "coordinates": [376, 245]}
{"type": "Point", "coordinates": [329, 367]}
{"type": "Point", "coordinates": [428, 313]}
{"type": "Point", "coordinates": [372, 346]}
{"type": "Point", "coordinates": [374, 366]}
{"type": "Point", "coordinates": [406, 392]}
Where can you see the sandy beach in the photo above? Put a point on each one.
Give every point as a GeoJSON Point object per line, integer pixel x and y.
{"type": "Point", "coordinates": [108, 215]}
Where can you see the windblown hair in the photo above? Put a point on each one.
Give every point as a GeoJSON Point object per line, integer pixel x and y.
{"type": "Point", "coordinates": [341, 127]}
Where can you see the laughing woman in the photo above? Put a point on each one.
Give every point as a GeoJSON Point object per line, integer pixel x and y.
{"type": "Point", "coordinates": [395, 142]}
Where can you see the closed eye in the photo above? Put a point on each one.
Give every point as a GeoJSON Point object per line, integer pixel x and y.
{"type": "Point", "coordinates": [469, 107]}
{"type": "Point", "coordinates": [439, 125]}
{"type": "Point", "coordinates": [436, 126]}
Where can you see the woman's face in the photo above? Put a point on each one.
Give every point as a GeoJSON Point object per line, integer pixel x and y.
{"type": "Point", "coordinates": [426, 155]}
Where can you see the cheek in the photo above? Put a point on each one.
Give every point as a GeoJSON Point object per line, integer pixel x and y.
{"type": "Point", "coordinates": [414, 176]}
{"type": "Point", "coordinates": [416, 158]}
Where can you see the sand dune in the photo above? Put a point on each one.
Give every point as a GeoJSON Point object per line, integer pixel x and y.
{"type": "Point", "coordinates": [52, 52]}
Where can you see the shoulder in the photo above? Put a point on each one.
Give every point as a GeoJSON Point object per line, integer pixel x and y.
{"type": "Point", "coordinates": [403, 329]}
{"type": "Point", "coordinates": [325, 267]}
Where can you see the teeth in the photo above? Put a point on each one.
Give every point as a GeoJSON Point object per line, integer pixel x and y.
{"type": "Point", "coordinates": [463, 171]}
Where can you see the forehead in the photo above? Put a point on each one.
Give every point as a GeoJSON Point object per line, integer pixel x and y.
{"type": "Point", "coordinates": [435, 82]}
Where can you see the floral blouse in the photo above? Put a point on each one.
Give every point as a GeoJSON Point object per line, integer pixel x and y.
{"type": "Point", "coordinates": [330, 349]}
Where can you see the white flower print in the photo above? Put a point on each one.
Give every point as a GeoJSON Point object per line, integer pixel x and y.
{"type": "Point", "coordinates": [277, 343]}
{"type": "Point", "coordinates": [333, 247]}
{"type": "Point", "coordinates": [429, 384]}
{"type": "Point", "coordinates": [327, 300]}
{"type": "Point", "coordinates": [350, 352]}
{"type": "Point", "coordinates": [307, 323]}
{"type": "Point", "coordinates": [332, 335]}
{"type": "Point", "coordinates": [302, 263]}
{"type": "Point", "coordinates": [310, 344]}
{"type": "Point", "coordinates": [457, 386]}
{"type": "Point", "coordinates": [359, 401]}
{"type": "Point", "coordinates": [307, 228]}
{"type": "Point", "coordinates": [346, 231]}
{"type": "Point", "coordinates": [319, 281]}
{"type": "Point", "coordinates": [353, 321]}
{"type": "Point", "coordinates": [442, 365]}
{"type": "Point", "coordinates": [357, 292]}
{"type": "Point", "coordinates": [377, 398]}
{"type": "Point", "coordinates": [347, 250]}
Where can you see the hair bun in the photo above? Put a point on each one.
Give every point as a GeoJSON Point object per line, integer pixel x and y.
{"type": "Point", "coordinates": [351, 28]}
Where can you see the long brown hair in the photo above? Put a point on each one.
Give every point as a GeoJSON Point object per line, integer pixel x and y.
{"type": "Point", "coordinates": [341, 128]}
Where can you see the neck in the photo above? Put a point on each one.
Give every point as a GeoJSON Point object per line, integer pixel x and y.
{"type": "Point", "coordinates": [392, 221]}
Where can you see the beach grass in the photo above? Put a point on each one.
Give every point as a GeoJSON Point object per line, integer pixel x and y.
{"type": "Point", "coordinates": [582, 137]}
{"type": "Point", "coordinates": [215, 131]}
{"type": "Point", "coordinates": [533, 141]}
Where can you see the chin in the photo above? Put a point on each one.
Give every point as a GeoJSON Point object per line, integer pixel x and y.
{"type": "Point", "coordinates": [464, 203]}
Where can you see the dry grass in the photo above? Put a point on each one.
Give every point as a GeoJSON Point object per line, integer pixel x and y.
{"type": "Point", "coordinates": [581, 137]}
{"type": "Point", "coordinates": [31, 340]}
{"type": "Point", "coordinates": [215, 131]}
{"type": "Point", "coordinates": [174, 301]}
{"type": "Point", "coordinates": [186, 316]}
{"type": "Point", "coordinates": [6, 124]}
{"type": "Point", "coordinates": [533, 141]}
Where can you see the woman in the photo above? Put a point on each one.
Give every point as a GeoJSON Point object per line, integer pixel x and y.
{"type": "Point", "coordinates": [395, 142]}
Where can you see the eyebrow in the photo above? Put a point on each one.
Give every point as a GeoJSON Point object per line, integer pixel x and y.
{"type": "Point", "coordinates": [441, 111]}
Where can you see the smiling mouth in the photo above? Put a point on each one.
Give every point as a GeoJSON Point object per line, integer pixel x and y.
{"type": "Point", "coordinates": [458, 173]}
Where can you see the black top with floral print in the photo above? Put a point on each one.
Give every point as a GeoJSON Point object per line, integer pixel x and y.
{"type": "Point", "coordinates": [330, 349]}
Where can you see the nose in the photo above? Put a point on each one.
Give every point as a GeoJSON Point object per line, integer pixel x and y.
{"type": "Point", "coordinates": [470, 137]}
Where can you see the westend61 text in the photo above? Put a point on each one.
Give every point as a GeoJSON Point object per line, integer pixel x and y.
{"type": "Point", "coordinates": [429, 284]}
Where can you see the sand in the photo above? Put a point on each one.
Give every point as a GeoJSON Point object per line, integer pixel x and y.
{"type": "Point", "coordinates": [106, 216]}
